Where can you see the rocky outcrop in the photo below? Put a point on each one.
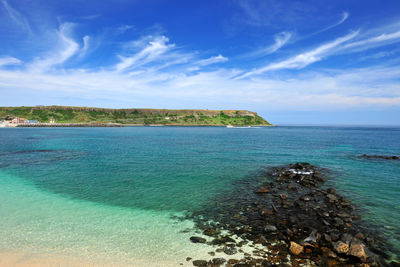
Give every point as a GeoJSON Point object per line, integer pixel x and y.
{"type": "Point", "coordinates": [294, 218]}
{"type": "Point", "coordinates": [366, 156]}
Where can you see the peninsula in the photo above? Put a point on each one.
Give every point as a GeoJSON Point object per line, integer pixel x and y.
{"type": "Point", "coordinates": [89, 116]}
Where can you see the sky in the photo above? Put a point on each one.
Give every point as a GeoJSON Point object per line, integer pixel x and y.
{"type": "Point", "coordinates": [293, 62]}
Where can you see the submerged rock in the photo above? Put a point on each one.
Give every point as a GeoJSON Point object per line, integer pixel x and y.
{"type": "Point", "coordinates": [366, 156]}
{"type": "Point", "coordinates": [200, 263]}
{"type": "Point", "coordinates": [230, 250]}
{"type": "Point", "coordinates": [218, 261]}
{"type": "Point", "coordinates": [197, 239]}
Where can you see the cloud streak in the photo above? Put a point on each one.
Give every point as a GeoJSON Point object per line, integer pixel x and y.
{"type": "Point", "coordinates": [4, 61]}
{"type": "Point", "coordinates": [304, 59]}
{"type": "Point", "coordinates": [154, 49]}
{"type": "Point", "coordinates": [18, 19]}
{"type": "Point", "coordinates": [345, 16]}
{"type": "Point", "coordinates": [212, 60]}
{"type": "Point", "coordinates": [66, 48]}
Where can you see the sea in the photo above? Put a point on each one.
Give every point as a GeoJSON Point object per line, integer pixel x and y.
{"type": "Point", "coordinates": [120, 194]}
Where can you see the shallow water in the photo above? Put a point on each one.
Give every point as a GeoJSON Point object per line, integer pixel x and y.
{"type": "Point", "coordinates": [114, 191]}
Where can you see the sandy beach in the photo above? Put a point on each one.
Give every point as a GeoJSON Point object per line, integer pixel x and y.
{"type": "Point", "coordinates": [33, 259]}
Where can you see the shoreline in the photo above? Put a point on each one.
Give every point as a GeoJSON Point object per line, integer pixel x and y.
{"type": "Point", "coordinates": [24, 258]}
{"type": "Point", "coordinates": [48, 125]}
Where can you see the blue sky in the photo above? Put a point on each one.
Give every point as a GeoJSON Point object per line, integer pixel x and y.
{"type": "Point", "coordinates": [302, 62]}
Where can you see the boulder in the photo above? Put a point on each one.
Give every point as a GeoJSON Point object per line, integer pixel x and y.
{"type": "Point", "coordinates": [358, 250]}
{"type": "Point", "coordinates": [341, 247]}
{"type": "Point", "coordinates": [211, 232]}
{"type": "Point", "coordinates": [197, 239]}
{"type": "Point", "coordinates": [200, 263]}
{"type": "Point", "coordinates": [295, 248]}
{"type": "Point", "coordinates": [218, 261]}
{"type": "Point", "coordinates": [230, 250]}
{"type": "Point", "coordinates": [262, 190]}
{"type": "Point", "coordinates": [270, 228]}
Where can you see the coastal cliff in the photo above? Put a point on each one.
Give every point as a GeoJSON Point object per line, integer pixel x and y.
{"type": "Point", "coordinates": [67, 114]}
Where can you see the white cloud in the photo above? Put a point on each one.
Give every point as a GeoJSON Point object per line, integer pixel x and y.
{"type": "Point", "coordinates": [66, 48]}
{"type": "Point", "coordinates": [345, 16]}
{"type": "Point", "coordinates": [9, 61]}
{"type": "Point", "coordinates": [151, 52]}
{"type": "Point", "coordinates": [18, 19]}
{"type": "Point", "coordinates": [216, 89]}
{"type": "Point", "coordinates": [86, 43]}
{"type": "Point", "coordinates": [372, 42]}
{"type": "Point", "coordinates": [124, 28]}
{"type": "Point", "coordinates": [280, 40]}
{"type": "Point", "coordinates": [304, 59]}
{"type": "Point", "coordinates": [212, 60]}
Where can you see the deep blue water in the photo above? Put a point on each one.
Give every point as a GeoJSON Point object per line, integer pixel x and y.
{"type": "Point", "coordinates": [175, 169]}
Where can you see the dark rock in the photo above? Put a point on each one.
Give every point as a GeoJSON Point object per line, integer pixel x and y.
{"type": "Point", "coordinates": [233, 261]}
{"type": "Point", "coordinates": [292, 186]}
{"type": "Point", "coordinates": [366, 156]}
{"type": "Point", "coordinates": [211, 232]}
{"type": "Point", "coordinates": [200, 263]}
{"type": "Point", "coordinates": [331, 198]}
{"type": "Point", "coordinates": [359, 236]}
{"type": "Point", "coordinates": [283, 196]}
{"type": "Point", "coordinates": [197, 239]}
{"type": "Point", "coordinates": [188, 258]}
{"type": "Point", "coordinates": [222, 240]}
{"type": "Point", "coordinates": [331, 191]}
{"type": "Point", "coordinates": [230, 250]}
{"type": "Point", "coordinates": [218, 261]}
{"type": "Point", "coordinates": [270, 228]}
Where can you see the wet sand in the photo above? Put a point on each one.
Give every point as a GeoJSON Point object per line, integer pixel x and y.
{"type": "Point", "coordinates": [33, 259]}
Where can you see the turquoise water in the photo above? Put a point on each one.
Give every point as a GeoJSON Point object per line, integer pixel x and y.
{"type": "Point", "coordinates": [114, 191]}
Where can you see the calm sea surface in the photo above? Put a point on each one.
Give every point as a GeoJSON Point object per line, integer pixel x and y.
{"type": "Point", "coordinates": [114, 191]}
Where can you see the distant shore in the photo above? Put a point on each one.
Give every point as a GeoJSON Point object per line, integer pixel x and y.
{"type": "Point", "coordinates": [29, 125]}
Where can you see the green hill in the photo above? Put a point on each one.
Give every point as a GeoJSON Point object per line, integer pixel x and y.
{"type": "Point", "coordinates": [65, 114]}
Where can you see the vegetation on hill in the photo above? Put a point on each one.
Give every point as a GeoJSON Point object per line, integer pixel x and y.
{"type": "Point", "coordinates": [63, 114]}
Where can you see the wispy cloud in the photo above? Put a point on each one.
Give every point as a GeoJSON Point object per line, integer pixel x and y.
{"type": "Point", "coordinates": [149, 53]}
{"type": "Point", "coordinates": [280, 40]}
{"type": "Point", "coordinates": [372, 42]}
{"type": "Point", "coordinates": [90, 17]}
{"type": "Point", "coordinates": [17, 17]}
{"type": "Point", "coordinates": [124, 28]}
{"type": "Point", "coordinates": [345, 16]}
{"type": "Point", "coordinates": [304, 59]}
{"type": "Point", "coordinates": [86, 43]}
{"type": "Point", "coordinates": [65, 49]}
{"type": "Point", "coordinates": [212, 60]}
{"type": "Point", "coordinates": [4, 61]}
